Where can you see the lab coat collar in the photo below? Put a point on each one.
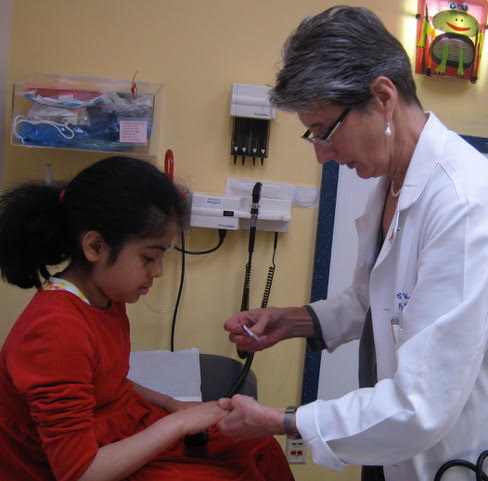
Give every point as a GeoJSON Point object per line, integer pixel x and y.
{"type": "Point", "coordinates": [424, 160]}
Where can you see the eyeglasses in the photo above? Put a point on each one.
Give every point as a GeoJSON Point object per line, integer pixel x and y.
{"type": "Point", "coordinates": [325, 139]}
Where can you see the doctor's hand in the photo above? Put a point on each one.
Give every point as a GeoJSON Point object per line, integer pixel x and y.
{"type": "Point", "coordinates": [247, 419]}
{"type": "Point", "coordinates": [270, 325]}
{"type": "Point", "coordinates": [199, 417]}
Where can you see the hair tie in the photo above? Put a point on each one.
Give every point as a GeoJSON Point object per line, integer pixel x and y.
{"type": "Point", "coordinates": [61, 196]}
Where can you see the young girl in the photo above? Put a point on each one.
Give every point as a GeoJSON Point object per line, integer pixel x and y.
{"type": "Point", "coordinates": [67, 410]}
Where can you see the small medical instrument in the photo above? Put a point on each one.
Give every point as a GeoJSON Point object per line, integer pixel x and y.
{"type": "Point", "coordinates": [252, 113]}
{"type": "Point", "coordinates": [250, 333]}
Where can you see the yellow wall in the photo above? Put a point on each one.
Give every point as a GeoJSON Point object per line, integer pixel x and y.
{"type": "Point", "coordinates": [197, 49]}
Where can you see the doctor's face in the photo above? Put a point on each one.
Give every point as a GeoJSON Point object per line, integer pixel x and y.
{"type": "Point", "coordinates": [359, 141]}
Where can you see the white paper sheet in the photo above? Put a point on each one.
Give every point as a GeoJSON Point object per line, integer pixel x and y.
{"type": "Point", "coordinates": [176, 374]}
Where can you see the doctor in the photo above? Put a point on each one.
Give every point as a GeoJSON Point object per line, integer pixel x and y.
{"type": "Point", "coordinates": [419, 297]}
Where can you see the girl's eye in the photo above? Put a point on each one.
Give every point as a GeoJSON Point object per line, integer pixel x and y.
{"type": "Point", "coordinates": [149, 259]}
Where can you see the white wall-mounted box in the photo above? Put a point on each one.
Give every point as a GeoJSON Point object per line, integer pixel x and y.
{"type": "Point", "coordinates": [231, 212]}
{"type": "Point", "coordinates": [84, 113]}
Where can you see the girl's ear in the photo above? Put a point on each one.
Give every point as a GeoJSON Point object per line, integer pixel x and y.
{"type": "Point", "coordinates": [93, 246]}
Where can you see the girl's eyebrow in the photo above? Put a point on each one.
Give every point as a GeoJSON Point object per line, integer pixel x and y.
{"type": "Point", "coordinates": [159, 247]}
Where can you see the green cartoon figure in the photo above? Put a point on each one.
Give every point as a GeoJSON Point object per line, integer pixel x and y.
{"type": "Point", "coordinates": [455, 38]}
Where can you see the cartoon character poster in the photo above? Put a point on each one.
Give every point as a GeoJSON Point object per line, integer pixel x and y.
{"type": "Point", "coordinates": [450, 37]}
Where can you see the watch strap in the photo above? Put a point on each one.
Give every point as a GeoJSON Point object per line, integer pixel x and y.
{"type": "Point", "coordinates": [287, 425]}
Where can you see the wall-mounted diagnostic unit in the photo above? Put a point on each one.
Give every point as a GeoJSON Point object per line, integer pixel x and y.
{"type": "Point", "coordinates": [232, 212]}
{"type": "Point", "coordinates": [252, 112]}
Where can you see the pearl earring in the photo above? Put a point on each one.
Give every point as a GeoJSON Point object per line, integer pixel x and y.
{"type": "Point", "coordinates": [388, 128]}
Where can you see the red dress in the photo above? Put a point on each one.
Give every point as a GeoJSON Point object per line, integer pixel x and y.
{"type": "Point", "coordinates": [64, 394]}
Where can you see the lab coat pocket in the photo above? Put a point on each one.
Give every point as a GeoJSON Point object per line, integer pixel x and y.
{"type": "Point", "coordinates": [396, 329]}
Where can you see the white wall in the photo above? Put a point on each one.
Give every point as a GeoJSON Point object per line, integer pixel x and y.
{"type": "Point", "coordinates": [338, 371]}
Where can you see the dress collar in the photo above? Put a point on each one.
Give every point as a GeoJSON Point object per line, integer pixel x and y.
{"type": "Point", "coordinates": [58, 284]}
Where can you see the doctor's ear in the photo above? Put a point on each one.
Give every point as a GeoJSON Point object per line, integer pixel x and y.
{"type": "Point", "coordinates": [385, 92]}
{"type": "Point", "coordinates": [94, 246]}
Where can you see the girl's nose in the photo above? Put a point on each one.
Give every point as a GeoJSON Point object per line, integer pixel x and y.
{"type": "Point", "coordinates": [157, 270]}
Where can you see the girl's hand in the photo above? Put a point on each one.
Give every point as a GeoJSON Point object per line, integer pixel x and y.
{"type": "Point", "coordinates": [174, 405]}
{"type": "Point", "coordinates": [199, 417]}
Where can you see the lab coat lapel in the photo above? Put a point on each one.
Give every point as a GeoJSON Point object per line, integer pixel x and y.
{"type": "Point", "coordinates": [383, 278]}
{"type": "Point", "coordinates": [368, 225]}
{"type": "Point", "coordinates": [424, 159]}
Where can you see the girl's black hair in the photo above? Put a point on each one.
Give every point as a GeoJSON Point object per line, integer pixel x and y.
{"type": "Point", "coordinates": [120, 197]}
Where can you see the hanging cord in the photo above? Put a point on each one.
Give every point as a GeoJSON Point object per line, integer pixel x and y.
{"type": "Point", "coordinates": [256, 195]}
{"type": "Point", "coordinates": [478, 468]}
{"type": "Point", "coordinates": [269, 279]}
{"type": "Point", "coordinates": [222, 234]}
{"type": "Point", "coordinates": [180, 290]}
{"type": "Point", "coordinates": [264, 303]}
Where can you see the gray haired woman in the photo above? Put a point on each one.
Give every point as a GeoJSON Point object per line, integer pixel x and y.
{"type": "Point", "coordinates": [418, 298]}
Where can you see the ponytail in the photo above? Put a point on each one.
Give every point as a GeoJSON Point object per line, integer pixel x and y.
{"type": "Point", "coordinates": [120, 197]}
{"type": "Point", "coordinates": [32, 233]}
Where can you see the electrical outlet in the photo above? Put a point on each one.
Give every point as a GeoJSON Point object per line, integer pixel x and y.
{"type": "Point", "coordinates": [295, 451]}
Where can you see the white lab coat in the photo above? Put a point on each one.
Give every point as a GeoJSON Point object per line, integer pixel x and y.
{"type": "Point", "coordinates": [428, 291]}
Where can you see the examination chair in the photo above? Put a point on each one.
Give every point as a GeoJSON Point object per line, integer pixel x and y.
{"type": "Point", "coordinates": [218, 375]}
{"type": "Point", "coordinates": [210, 376]}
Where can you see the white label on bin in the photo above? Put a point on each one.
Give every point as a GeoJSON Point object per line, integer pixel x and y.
{"type": "Point", "coordinates": [133, 131]}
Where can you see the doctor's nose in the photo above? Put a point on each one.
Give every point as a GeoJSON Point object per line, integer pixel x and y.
{"type": "Point", "coordinates": [323, 153]}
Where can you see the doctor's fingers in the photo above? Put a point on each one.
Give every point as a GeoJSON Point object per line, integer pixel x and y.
{"type": "Point", "coordinates": [248, 318]}
{"type": "Point", "coordinates": [235, 427]}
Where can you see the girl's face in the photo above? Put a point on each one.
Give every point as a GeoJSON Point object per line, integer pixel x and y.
{"type": "Point", "coordinates": [131, 275]}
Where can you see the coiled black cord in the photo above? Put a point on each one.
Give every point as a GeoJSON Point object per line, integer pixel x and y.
{"type": "Point", "coordinates": [478, 468]}
{"type": "Point", "coordinates": [264, 302]}
{"type": "Point", "coordinates": [269, 278]}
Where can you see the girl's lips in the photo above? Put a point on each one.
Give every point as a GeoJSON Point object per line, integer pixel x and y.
{"type": "Point", "coordinates": [144, 290]}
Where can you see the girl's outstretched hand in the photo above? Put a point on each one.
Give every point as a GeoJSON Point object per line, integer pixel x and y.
{"type": "Point", "coordinates": [199, 417]}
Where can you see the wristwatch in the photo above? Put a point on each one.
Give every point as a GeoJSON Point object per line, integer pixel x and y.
{"type": "Point", "coordinates": [289, 430]}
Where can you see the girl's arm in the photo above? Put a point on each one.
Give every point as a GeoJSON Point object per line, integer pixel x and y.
{"type": "Point", "coordinates": [162, 400]}
{"type": "Point", "coordinates": [118, 460]}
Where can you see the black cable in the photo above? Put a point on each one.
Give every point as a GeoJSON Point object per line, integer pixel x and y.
{"type": "Point", "coordinates": [269, 278]}
{"type": "Point", "coordinates": [242, 375]}
{"type": "Point", "coordinates": [250, 356]}
{"type": "Point", "coordinates": [180, 290]}
{"type": "Point", "coordinates": [478, 468]}
{"type": "Point", "coordinates": [255, 196]}
{"type": "Point", "coordinates": [222, 234]}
